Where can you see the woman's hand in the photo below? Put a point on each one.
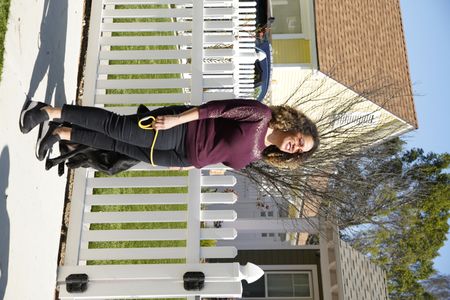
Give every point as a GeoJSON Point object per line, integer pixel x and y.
{"type": "Point", "coordinates": [166, 122]}
{"type": "Point", "coordinates": [169, 121]}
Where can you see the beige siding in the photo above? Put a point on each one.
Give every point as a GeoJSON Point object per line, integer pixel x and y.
{"type": "Point", "coordinates": [317, 95]}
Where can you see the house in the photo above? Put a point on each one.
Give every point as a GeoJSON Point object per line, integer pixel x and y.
{"type": "Point", "coordinates": [298, 261]}
{"type": "Point", "coordinates": [331, 270]}
{"type": "Point", "coordinates": [348, 49]}
{"type": "Point", "coordinates": [338, 50]}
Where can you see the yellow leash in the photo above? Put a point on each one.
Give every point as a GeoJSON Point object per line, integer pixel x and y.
{"type": "Point", "coordinates": [149, 127]}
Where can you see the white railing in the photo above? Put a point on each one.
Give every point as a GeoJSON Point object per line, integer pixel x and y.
{"type": "Point", "coordinates": [205, 51]}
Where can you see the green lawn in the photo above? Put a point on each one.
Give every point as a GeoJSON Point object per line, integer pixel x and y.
{"type": "Point", "coordinates": [128, 226]}
{"type": "Point", "coordinates": [143, 61]}
{"type": "Point", "coordinates": [4, 12]}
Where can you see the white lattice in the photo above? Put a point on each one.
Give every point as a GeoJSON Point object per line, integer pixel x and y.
{"type": "Point", "coordinates": [361, 279]}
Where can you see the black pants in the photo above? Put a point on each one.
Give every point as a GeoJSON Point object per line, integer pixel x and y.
{"type": "Point", "coordinates": [102, 129]}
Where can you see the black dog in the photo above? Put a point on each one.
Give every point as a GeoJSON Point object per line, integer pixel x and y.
{"type": "Point", "coordinates": [77, 155]}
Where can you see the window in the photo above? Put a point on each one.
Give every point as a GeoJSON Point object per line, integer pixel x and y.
{"type": "Point", "coordinates": [280, 284]}
{"type": "Point", "coordinates": [287, 15]}
{"type": "Point", "coordinates": [269, 213]}
{"type": "Point", "coordinates": [291, 34]}
{"type": "Point", "coordinates": [275, 236]}
{"type": "Point", "coordinates": [288, 285]}
{"type": "Point", "coordinates": [282, 236]}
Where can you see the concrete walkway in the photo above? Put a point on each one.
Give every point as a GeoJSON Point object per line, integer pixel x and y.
{"type": "Point", "coordinates": [41, 60]}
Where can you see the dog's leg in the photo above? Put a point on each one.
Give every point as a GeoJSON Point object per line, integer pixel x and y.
{"type": "Point", "coordinates": [51, 162]}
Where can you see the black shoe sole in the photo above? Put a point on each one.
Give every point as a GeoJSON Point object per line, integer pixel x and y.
{"type": "Point", "coordinates": [40, 137]}
{"type": "Point", "coordinates": [23, 111]}
{"type": "Point", "coordinates": [45, 131]}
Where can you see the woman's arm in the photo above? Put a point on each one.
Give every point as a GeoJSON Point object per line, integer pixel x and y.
{"type": "Point", "coordinates": [239, 110]}
{"type": "Point", "coordinates": [169, 121]}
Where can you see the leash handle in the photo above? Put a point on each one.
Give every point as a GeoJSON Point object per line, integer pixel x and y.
{"type": "Point", "coordinates": [149, 126]}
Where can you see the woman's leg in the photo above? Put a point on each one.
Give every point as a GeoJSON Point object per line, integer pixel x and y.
{"type": "Point", "coordinates": [101, 141]}
{"type": "Point", "coordinates": [121, 128]}
{"type": "Point", "coordinates": [98, 140]}
{"type": "Point", "coordinates": [124, 128]}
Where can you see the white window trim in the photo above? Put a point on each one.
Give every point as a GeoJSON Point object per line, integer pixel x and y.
{"type": "Point", "coordinates": [288, 36]}
{"type": "Point", "coordinates": [295, 66]}
{"type": "Point", "coordinates": [311, 21]}
{"type": "Point", "coordinates": [304, 11]}
{"type": "Point", "coordinates": [283, 268]}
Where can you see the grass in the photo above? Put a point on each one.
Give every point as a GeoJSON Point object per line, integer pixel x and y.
{"type": "Point", "coordinates": [4, 12]}
{"type": "Point", "coordinates": [143, 61]}
{"type": "Point", "coordinates": [139, 226]}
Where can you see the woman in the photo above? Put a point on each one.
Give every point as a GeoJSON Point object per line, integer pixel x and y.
{"type": "Point", "coordinates": [232, 132]}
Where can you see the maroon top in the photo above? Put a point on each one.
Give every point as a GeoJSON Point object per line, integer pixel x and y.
{"type": "Point", "coordinates": [231, 132]}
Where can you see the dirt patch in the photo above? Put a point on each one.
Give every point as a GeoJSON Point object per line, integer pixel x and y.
{"type": "Point", "coordinates": [79, 97]}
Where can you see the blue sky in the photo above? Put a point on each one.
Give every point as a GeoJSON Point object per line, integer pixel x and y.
{"type": "Point", "coordinates": [427, 29]}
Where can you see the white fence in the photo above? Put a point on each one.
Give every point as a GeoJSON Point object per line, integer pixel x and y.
{"type": "Point", "coordinates": [199, 51]}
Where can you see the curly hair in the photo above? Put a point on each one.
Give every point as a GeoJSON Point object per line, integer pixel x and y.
{"type": "Point", "coordinates": [286, 118]}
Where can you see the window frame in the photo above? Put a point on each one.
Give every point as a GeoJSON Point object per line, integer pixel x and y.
{"type": "Point", "coordinates": [289, 269]}
{"type": "Point", "coordinates": [307, 19]}
{"type": "Point", "coordinates": [266, 286]}
{"type": "Point", "coordinates": [304, 19]}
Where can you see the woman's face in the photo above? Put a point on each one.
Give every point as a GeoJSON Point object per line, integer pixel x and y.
{"type": "Point", "coordinates": [295, 142]}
